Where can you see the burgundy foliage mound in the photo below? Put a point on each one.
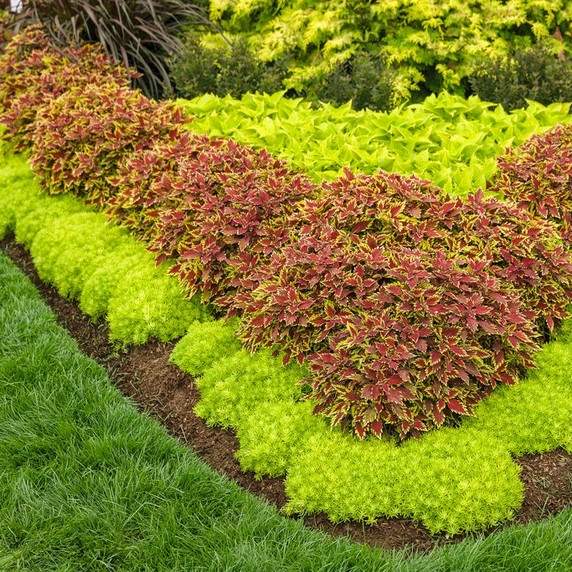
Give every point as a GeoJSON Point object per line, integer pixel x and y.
{"type": "Point", "coordinates": [410, 306]}
{"type": "Point", "coordinates": [538, 176]}
{"type": "Point", "coordinates": [81, 137]}
{"type": "Point", "coordinates": [214, 207]}
{"type": "Point", "coordinates": [33, 71]}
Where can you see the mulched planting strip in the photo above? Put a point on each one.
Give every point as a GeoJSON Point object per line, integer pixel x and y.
{"type": "Point", "coordinates": [165, 392]}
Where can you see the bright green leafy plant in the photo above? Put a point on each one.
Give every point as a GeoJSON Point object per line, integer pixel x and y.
{"type": "Point", "coordinates": [432, 45]}
{"type": "Point", "coordinates": [449, 140]}
{"type": "Point", "coordinates": [72, 248]}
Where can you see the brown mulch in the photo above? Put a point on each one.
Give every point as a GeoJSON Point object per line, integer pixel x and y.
{"type": "Point", "coordinates": [162, 389]}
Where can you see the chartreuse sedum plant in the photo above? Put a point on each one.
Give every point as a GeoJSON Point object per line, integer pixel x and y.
{"type": "Point", "coordinates": [100, 264]}
{"type": "Point", "coordinates": [137, 34]}
{"type": "Point", "coordinates": [410, 306]}
{"type": "Point", "coordinates": [33, 72]}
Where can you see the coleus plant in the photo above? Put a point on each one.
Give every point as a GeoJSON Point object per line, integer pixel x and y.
{"type": "Point", "coordinates": [538, 176]}
{"type": "Point", "coordinates": [215, 208]}
{"type": "Point", "coordinates": [81, 137]}
{"type": "Point", "coordinates": [408, 305]}
{"type": "Point", "coordinates": [33, 72]}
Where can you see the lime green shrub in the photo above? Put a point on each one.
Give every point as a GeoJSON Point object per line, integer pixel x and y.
{"type": "Point", "coordinates": [449, 140]}
{"type": "Point", "coordinates": [432, 45]}
{"type": "Point", "coordinates": [86, 258]}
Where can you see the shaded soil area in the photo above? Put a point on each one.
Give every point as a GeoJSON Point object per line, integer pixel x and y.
{"type": "Point", "coordinates": [165, 392]}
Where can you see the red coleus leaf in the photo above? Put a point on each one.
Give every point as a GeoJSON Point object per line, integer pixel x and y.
{"type": "Point", "coordinates": [457, 406]}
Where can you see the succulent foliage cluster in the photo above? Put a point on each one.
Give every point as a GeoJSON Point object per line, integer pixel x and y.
{"type": "Point", "coordinates": [99, 264]}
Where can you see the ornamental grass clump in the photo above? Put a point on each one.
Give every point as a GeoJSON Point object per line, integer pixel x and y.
{"type": "Point", "coordinates": [81, 137]}
{"type": "Point", "coordinates": [33, 72]}
{"type": "Point", "coordinates": [408, 305]}
{"type": "Point", "coordinates": [538, 176]}
{"type": "Point", "coordinates": [217, 209]}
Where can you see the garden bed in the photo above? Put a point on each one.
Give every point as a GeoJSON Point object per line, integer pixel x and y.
{"type": "Point", "coordinates": [144, 374]}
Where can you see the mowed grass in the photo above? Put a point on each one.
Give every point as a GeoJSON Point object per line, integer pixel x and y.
{"type": "Point", "coordinates": [87, 483]}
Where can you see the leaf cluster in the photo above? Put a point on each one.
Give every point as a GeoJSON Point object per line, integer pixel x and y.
{"type": "Point", "coordinates": [365, 79]}
{"type": "Point", "coordinates": [196, 69]}
{"type": "Point", "coordinates": [213, 207]}
{"type": "Point", "coordinates": [538, 176]}
{"type": "Point", "coordinates": [409, 306]}
{"type": "Point", "coordinates": [33, 72]}
{"type": "Point", "coordinates": [81, 137]}
{"type": "Point", "coordinates": [449, 140]}
{"type": "Point", "coordinates": [431, 45]}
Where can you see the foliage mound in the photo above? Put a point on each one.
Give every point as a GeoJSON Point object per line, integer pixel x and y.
{"type": "Point", "coordinates": [536, 73]}
{"type": "Point", "coordinates": [538, 176]}
{"type": "Point", "coordinates": [447, 139]}
{"type": "Point", "coordinates": [366, 80]}
{"type": "Point", "coordinates": [100, 264]}
{"type": "Point", "coordinates": [196, 69]}
{"type": "Point", "coordinates": [81, 137]}
{"type": "Point", "coordinates": [33, 72]}
{"type": "Point", "coordinates": [409, 306]}
{"type": "Point", "coordinates": [217, 208]}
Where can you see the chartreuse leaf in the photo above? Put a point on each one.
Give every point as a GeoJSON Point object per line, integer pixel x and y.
{"type": "Point", "coordinates": [451, 141]}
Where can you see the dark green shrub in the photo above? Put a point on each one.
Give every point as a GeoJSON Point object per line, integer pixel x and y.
{"type": "Point", "coordinates": [365, 80]}
{"type": "Point", "coordinates": [534, 73]}
{"type": "Point", "coordinates": [234, 70]}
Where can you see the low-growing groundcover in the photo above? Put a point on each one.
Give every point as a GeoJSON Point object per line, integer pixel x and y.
{"type": "Point", "coordinates": [89, 484]}
{"type": "Point", "coordinates": [452, 480]}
